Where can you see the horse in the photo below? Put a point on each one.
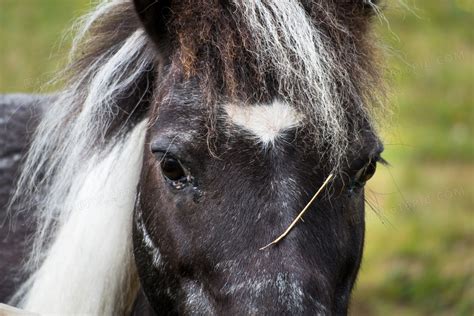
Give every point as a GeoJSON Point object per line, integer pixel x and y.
{"type": "Point", "coordinates": [203, 157]}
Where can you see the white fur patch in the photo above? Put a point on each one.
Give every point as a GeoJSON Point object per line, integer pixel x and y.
{"type": "Point", "coordinates": [265, 121]}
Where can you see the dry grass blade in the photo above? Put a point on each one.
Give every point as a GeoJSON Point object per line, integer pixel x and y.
{"type": "Point", "coordinates": [300, 215]}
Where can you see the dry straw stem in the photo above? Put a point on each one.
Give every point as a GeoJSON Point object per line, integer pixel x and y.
{"type": "Point", "coordinates": [300, 215]}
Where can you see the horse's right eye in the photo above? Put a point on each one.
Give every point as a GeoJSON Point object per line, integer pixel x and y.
{"type": "Point", "coordinates": [172, 169]}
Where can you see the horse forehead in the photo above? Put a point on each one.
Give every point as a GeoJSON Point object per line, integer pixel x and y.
{"type": "Point", "coordinates": [265, 122]}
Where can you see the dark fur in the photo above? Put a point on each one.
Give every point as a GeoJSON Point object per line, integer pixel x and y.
{"type": "Point", "coordinates": [201, 227]}
{"type": "Point", "coordinates": [219, 219]}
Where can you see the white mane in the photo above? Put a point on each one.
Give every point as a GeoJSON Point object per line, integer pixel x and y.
{"type": "Point", "coordinates": [83, 187]}
{"type": "Point", "coordinates": [89, 268]}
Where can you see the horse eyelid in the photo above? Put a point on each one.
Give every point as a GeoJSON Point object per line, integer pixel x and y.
{"type": "Point", "coordinates": [162, 154]}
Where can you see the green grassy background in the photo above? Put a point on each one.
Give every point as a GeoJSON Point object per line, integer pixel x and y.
{"type": "Point", "coordinates": [419, 255]}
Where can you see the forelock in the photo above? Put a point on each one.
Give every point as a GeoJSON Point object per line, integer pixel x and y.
{"type": "Point", "coordinates": [309, 56]}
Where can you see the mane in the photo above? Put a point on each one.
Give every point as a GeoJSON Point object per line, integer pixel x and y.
{"type": "Point", "coordinates": [316, 56]}
{"type": "Point", "coordinates": [82, 169]}
{"type": "Point", "coordinates": [87, 149]}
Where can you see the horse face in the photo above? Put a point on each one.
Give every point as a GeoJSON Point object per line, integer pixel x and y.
{"type": "Point", "coordinates": [203, 214]}
{"type": "Point", "coordinates": [213, 192]}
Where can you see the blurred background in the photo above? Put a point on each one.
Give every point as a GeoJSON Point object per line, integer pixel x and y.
{"type": "Point", "coordinates": [419, 255]}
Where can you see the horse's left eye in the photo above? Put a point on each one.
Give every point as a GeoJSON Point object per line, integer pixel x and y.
{"type": "Point", "coordinates": [364, 174]}
{"type": "Point", "coordinates": [172, 169]}
{"type": "Point", "coordinates": [368, 171]}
